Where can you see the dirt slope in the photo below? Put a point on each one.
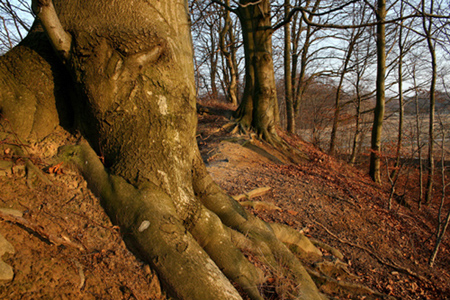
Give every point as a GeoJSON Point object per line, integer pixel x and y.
{"type": "Point", "coordinates": [339, 205]}
{"type": "Point", "coordinates": [66, 247]}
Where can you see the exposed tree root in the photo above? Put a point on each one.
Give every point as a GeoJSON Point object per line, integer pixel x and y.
{"type": "Point", "coordinates": [296, 241]}
{"type": "Point", "coordinates": [258, 205]}
{"type": "Point", "coordinates": [330, 276]}
{"type": "Point", "coordinates": [227, 113]}
{"type": "Point", "coordinates": [267, 241]}
{"type": "Point", "coordinates": [214, 239]}
{"type": "Point", "coordinates": [235, 127]}
{"type": "Point", "coordinates": [330, 285]}
{"type": "Point", "coordinates": [261, 234]}
{"type": "Point", "coordinates": [152, 230]}
{"type": "Point", "coordinates": [258, 139]}
{"type": "Point", "coordinates": [17, 152]}
{"type": "Point", "coordinates": [335, 252]}
{"type": "Point", "coordinates": [191, 261]}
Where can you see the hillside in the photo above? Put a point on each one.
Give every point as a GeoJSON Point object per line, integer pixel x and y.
{"type": "Point", "coordinates": [66, 247]}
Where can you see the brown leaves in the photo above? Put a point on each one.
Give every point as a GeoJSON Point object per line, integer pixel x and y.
{"type": "Point", "coordinates": [56, 169]}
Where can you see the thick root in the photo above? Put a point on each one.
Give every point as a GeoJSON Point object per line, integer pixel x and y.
{"type": "Point", "coordinates": [330, 285]}
{"type": "Point", "coordinates": [215, 239]}
{"type": "Point", "coordinates": [296, 240]}
{"type": "Point", "coordinates": [153, 231]}
{"type": "Point", "coordinates": [335, 252]}
{"type": "Point", "coordinates": [260, 233]}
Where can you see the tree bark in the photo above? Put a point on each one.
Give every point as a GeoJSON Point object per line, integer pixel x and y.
{"type": "Point", "coordinates": [395, 172]}
{"type": "Point", "coordinates": [259, 107]}
{"type": "Point", "coordinates": [418, 138]}
{"type": "Point", "coordinates": [357, 136]}
{"type": "Point", "coordinates": [213, 61]}
{"type": "Point", "coordinates": [290, 116]}
{"type": "Point", "coordinates": [229, 53]}
{"type": "Point", "coordinates": [427, 29]}
{"type": "Point", "coordinates": [35, 88]}
{"type": "Point", "coordinates": [337, 106]}
{"type": "Point", "coordinates": [374, 169]}
{"type": "Point", "coordinates": [299, 78]}
{"type": "Point", "coordinates": [131, 67]}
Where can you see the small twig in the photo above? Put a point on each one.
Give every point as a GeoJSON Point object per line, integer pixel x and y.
{"type": "Point", "coordinates": [260, 205]}
{"type": "Point", "coordinates": [20, 145]}
{"type": "Point", "coordinates": [38, 230]}
{"type": "Point", "coordinates": [19, 142]}
{"type": "Point", "coordinates": [253, 193]}
{"type": "Point", "coordinates": [389, 264]}
{"type": "Point", "coordinates": [113, 228]}
{"type": "Point", "coordinates": [80, 273]}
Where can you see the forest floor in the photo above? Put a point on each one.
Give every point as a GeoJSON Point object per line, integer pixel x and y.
{"type": "Point", "coordinates": [65, 247]}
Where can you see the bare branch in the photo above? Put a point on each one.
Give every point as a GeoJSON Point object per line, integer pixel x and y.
{"type": "Point", "coordinates": [59, 38]}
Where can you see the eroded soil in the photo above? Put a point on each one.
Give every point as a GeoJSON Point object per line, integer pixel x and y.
{"type": "Point", "coordinates": [68, 248]}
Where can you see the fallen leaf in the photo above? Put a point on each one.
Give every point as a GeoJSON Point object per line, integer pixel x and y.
{"type": "Point", "coordinates": [292, 212]}
{"type": "Point", "coordinates": [56, 169]}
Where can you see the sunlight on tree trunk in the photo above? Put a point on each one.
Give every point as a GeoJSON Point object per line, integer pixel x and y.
{"type": "Point", "coordinates": [374, 169]}
{"type": "Point", "coordinates": [132, 96]}
{"type": "Point", "coordinates": [290, 116]}
{"type": "Point", "coordinates": [259, 107]}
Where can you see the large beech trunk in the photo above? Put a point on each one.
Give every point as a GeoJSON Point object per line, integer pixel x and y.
{"type": "Point", "coordinates": [259, 107]}
{"type": "Point", "coordinates": [127, 67]}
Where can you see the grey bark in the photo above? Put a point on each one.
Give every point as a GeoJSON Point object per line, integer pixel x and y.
{"type": "Point", "coordinates": [374, 168]}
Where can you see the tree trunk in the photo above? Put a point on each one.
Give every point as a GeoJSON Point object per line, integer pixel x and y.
{"type": "Point", "coordinates": [442, 223]}
{"type": "Point", "coordinates": [259, 107]}
{"type": "Point", "coordinates": [394, 172]}
{"type": "Point", "coordinates": [337, 106]}
{"type": "Point", "coordinates": [31, 77]}
{"type": "Point", "coordinates": [229, 52]}
{"type": "Point", "coordinates": [131, 64]}
{"type": "Point", "coordinates": [427, 29]}
{"type": "Point", "coordinates": [374, 169]}
{"type": "Point", "coordinates": [299, 83]}
{"type": "Point", "coordinates": [213, 60]}
{"type": "Point", "coordinates": [418, 139]}
{"type": "Point", "coordinates": [290, 116]}
{"type": "Point", "coordinates": [357, 136]}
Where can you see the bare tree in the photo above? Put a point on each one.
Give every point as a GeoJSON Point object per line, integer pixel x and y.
{"type": "Point", "coordinates": [228, 50]}
{"type": "Point", "coordinates": [288, 73]}
{"type": "Point", "coordinates": [361, 65]}
{"type": "Point", "coordinates": [442, 222]}
{"type": "Point", "coordinates": [427, 28]}
{"type": "Point", "coordinates": [206, 26]}
{"type": "Point", "coordinates": [374, 169]}
{"type": "Point", "coordinates": [355, 35]}
{"type": "Point", "coordinates": [15, 21]}
{"type": "Point", "coordinates": [301, 48]}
